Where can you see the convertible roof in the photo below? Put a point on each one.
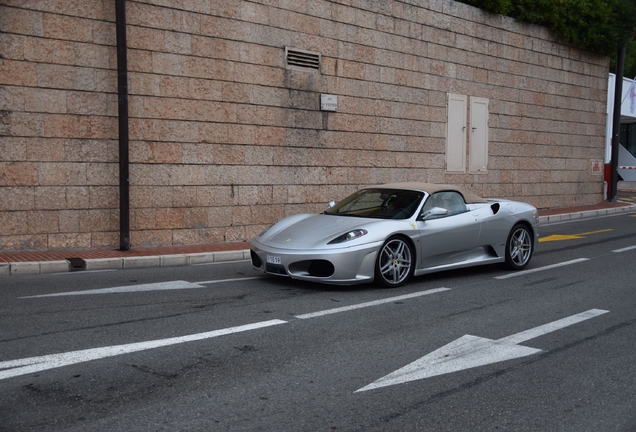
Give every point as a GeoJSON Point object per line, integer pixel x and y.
{"type": "Point", "coordinates": [431, 188]}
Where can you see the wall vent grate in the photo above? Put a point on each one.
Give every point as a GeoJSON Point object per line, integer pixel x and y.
{"type": "Point", "coordinates": [301, 59]}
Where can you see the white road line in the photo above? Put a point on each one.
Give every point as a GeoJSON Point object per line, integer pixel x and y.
{"type": "Point", "coordinates": [221, 262]}
{"type": "Point", "coordinates": [13, 368]}
{"type": "Point", "coordinates": [368, 304]}
{"type": "Point", "coordinates": [229, 280]}
{"type": "Point", "coordinates": [83, 272]}
{"type": "Point", "coordinates": [161, 286]}
{"type": "Point", "coordinates": [473, 351]}
{"type": "Point", "coordinates": [526, 335]}
{"type": "Point", "coordinates": [525, 272]}
{"type": "Point", "coordinates": [36, 364]}
{"type": "Point", "coordinates": [624, 249]}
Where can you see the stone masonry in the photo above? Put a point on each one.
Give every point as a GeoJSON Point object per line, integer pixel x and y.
{"type": "Point", "coordinates": [225, 138]}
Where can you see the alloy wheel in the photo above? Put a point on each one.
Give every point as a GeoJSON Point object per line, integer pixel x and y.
{"type": "Point", "coordinates": [519, 247]}
{"type": "Point", "coordinates": [395, 262]}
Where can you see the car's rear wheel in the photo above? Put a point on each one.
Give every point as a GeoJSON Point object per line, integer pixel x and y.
{"type": "Point", "coordinates": [519, 247]}
{"type": "Point", "coordinates": [395, 262]}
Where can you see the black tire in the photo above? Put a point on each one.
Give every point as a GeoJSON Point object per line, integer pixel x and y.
{"type": "Point", "coordinates": [519, 247]}
{"type": "Point", "coordinates": [395, 262]}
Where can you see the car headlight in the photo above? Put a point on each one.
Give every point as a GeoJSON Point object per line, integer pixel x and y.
{"type": "Point", "coordinates": [351, 235]}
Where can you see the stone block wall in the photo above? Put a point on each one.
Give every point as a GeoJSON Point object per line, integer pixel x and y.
{"type": "Point", "coordinates": [58, 125]}
{"type": "Point", "coordinates": [225, 138]}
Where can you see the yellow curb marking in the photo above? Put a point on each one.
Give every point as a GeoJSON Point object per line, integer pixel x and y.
{"type": "Point", "coordinates": [559, 237]}
{"type": "Point", "coordinates": [597, 232]}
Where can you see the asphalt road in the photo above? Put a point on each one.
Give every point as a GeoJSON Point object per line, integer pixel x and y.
{"type": "Point", "coordinates": [221, 347]}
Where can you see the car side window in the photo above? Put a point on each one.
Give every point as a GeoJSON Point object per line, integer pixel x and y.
{"type": "Point", "coordinates": [452, 202]}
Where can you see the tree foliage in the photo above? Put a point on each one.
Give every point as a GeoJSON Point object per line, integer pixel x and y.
{"type": "Point", "coordinates": [629, 69]}
{"type": "Point", "coordinates": [600, 26]}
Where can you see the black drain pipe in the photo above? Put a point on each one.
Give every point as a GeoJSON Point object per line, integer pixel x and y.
{"type": "Point", "coordinates": [122, 103]}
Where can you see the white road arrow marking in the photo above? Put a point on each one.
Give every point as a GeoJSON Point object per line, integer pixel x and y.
{"type": "Point", "coordinates": [159, 286]}
{"type": "Point", "coordinates": [472, 351]}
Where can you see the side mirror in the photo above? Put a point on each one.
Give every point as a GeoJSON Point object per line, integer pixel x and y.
{"type": "Point", "coordinates": [434, 213]}
{"type": "Point", "coordinates": [332, 203]}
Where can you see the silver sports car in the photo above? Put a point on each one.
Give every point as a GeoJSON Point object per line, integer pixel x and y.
{"type": "Point", "coordinates": [391, 232]}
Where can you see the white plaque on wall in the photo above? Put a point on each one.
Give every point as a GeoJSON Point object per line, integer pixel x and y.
{"type": "Point", "coordinates": [328, 102]}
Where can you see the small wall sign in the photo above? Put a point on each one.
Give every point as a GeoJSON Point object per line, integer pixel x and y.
{"type": "Point", "coordinates": [328, 102]}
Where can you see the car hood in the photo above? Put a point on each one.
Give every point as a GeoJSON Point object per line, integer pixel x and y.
{"type": "Point", "coordinates": [317, 230]}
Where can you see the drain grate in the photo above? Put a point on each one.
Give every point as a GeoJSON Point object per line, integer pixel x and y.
{"type": "Point", "coordinates": [76, 264]}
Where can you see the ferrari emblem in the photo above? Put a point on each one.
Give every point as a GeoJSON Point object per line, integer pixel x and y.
{"type": "Point", "coordinates": [287, 241]}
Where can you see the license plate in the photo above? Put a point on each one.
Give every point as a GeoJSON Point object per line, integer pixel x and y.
{"type": "Point", "coordinates": [273, 259]}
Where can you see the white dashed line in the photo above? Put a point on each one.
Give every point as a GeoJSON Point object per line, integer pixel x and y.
{"type": "Point", "coordinates": [368, 304]}
{"type": "Point", "coordinates": [36, 364]}
{"type": "Point", "coordinates": [525, 272]}
{"type": "Point", "coordinates": [13, 368]}
{"type": "Point", "coordinates": [624, 249]}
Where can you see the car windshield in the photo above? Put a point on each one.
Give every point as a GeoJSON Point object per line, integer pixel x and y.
{"type": "Point", "coordinates": [379, 204]}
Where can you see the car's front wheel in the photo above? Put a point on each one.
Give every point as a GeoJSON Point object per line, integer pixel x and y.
{"type": "Point", "coordinates": [519, 247]}
{"type": "Point", "coordinates": [395, 263]}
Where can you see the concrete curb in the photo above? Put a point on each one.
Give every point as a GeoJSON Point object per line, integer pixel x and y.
{"type": "Point", "coordinates": [586, 214]}
{"type": "Point", "coordinates": [44, 267]}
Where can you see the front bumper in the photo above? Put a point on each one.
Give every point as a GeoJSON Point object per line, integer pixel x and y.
{"type": "Point", "coordinates": [337, 266]}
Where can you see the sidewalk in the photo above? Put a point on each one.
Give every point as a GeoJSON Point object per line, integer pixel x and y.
{"type": "Point", "coordinates": [41, 262]}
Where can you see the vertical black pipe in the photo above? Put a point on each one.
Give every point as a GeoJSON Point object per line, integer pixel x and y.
{"type": "Point", "coordinates": [122, 102]}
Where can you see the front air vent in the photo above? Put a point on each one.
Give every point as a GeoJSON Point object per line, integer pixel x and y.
{"type": "Point", "coordinates": [256, 260]}
{"type": "Point", "coordinates": [301, 59]}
